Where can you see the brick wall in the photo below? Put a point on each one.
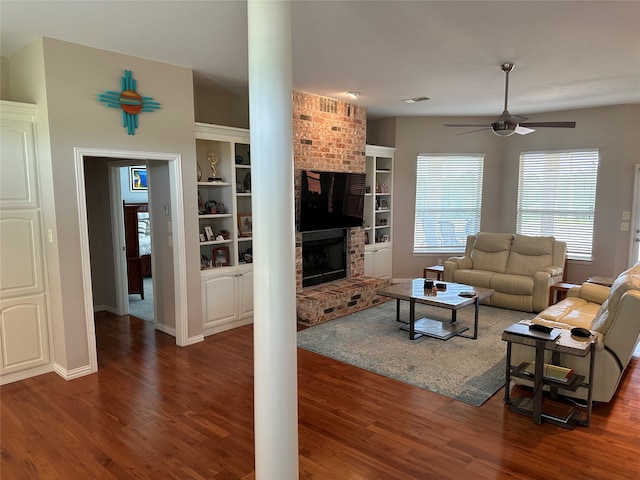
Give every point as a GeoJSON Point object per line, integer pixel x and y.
{"type": "Point", "coordinates": [329, 135]}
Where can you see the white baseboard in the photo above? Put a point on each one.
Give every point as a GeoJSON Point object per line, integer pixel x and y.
{"type": "Point", "coordinates": [73, 373]}
{"type": "Point", "coordinates": [226, 325]}
{"type": "Point", "coordinates": [164, 329]}
{"type": "Point", "coordinates": [105, 308]}
{"type": "Point", "coordinates": [24, 374]}
{"type": "Point", "coordinates": [196, 339]}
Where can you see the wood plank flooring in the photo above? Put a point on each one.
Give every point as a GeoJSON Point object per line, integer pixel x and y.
{"type": "Point", "coordinates": [159, 411]}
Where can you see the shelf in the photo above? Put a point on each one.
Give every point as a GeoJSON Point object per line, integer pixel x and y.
{"type": "Point", "coordinates": [216, 242]}
{"type": "Point", "coordinates": [243, 194]}
{"type": "Point", "coordinates": [215, 215]}
{"type": "Point", "coordinates": [572, 385]}
{"type": "Point", "coordinates": [214, 184]}
{"type": "Point", "coordinates": [524, 405]}
{"type": "Point", "coordinates": [245, 239]}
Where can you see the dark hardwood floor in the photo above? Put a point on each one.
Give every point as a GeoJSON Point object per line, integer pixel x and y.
{"type": "Point", "coordinates": [159, 411]}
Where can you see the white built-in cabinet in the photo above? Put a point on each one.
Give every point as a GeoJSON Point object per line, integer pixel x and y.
{"type": "Point", "coordinates": [224, 222]}
{"type": "Point", "coordinates": [378, 250]}
{"type": "Point", "coordinates": [24, 325]}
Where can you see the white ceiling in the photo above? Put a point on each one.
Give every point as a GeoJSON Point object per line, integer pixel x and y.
{"type": "Point", "coordinates": [567, 54]}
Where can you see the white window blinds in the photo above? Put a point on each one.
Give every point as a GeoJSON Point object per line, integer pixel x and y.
{"type": "Point", "coordinates": [557, 196]}
{"type": "Point", "coordinates": [448, 202]}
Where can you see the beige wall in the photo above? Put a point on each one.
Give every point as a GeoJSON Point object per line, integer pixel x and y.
{"type": "Point", "coordinates": [64, 80]}
{"type": "Point", "coordinates": [613, 130]}
{"type": "Point", "coordinates": [5, 92]}
{"type": "Point", "coordinates": [220, 107]}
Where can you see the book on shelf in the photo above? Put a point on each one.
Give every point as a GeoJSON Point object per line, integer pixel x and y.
{"type": "Point", "coordinates": [551, 372]}
{"type": "Point", "coordinates": [560, 412]}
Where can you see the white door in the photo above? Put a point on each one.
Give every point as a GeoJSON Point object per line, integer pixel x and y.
{"type": "Point", "coordinates": [24, 325]}
{"type": "Point", "coordinates": [635, 224]}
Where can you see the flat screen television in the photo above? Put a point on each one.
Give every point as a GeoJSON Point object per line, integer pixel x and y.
{"type": "Point", "coordinates": [331, 200]}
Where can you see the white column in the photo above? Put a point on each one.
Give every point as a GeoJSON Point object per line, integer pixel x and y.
{"type": "Point", "coordinates": [271, 124]}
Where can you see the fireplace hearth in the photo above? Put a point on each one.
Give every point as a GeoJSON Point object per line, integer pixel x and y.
{"type": "Point", "coordinates": [324, 256]}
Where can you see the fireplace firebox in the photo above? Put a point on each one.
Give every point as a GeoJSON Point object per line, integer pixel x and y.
{"type": "Point", "coordinates": [324, 256]}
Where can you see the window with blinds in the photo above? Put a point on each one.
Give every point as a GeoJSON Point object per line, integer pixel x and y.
{"type": "Point", "coordinates": [557, 196]}
{"type": "Point", "coordinates": [448, 202]}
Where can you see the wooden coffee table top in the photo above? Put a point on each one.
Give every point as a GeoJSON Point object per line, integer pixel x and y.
{"type": "Point", "coordinates": [448, 298]}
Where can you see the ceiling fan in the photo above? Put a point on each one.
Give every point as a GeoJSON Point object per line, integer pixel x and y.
{"type": "Point", "coordinates": [507, 124]}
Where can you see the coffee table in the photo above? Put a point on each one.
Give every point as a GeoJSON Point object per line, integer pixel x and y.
{"type": "Point", "coordinates": [413, 291]}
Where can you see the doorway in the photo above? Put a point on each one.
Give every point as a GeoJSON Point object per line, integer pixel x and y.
{"type": "Point", "coordinates": [175, 282]}
{"type": "Point", "coordinates": [132, 211]}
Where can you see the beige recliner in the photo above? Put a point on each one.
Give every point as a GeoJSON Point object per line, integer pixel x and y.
{"type": "Point", "coordinates": [612, 314]}
{"type": "Point", "coordinates": [520, 268]}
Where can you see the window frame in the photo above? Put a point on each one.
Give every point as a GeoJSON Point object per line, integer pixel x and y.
{"type": "Point", "coordinates": [555, 170]}
{"type": "Point", "coordinates": [449, 222]}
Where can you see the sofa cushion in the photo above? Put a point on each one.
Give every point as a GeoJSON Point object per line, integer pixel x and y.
{"type": "Point", "coordinates": [627, 280]}
{"type": "Point", "coordinates": [477, 278]}
{"type": "Point", "coordinates": [570, 312]}
{"type": "Point", "coordinates": [512, 284]}
{"type": "Point", "coordinates": [529, 254]}
{"type": "Point", "coordinates": [491, 251]}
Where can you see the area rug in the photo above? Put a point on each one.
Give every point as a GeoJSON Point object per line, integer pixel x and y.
{"type": "Point", "coordinates": [470, 371]}
{"type": "Point", "coordinates": [143, 309]}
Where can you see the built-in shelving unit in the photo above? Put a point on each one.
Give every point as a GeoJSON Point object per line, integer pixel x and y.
{"type": "Point", "coordinates": [224, 221]}
{"type": "Point", "coordinates": [378, 211]}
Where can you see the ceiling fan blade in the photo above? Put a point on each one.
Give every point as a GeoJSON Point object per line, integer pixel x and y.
{"type": "Point", "coordinates": [466, 125]}
{"type": "Point", "coordinates": [523, 130]}
{"type": "Point", "coordinates": [473, 131]}
{"type": "Point", "coordinates": [516, 119]}
{"type": "Point", "coordinates": [549, 124]}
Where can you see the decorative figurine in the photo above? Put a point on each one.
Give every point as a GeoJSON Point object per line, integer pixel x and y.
{"type": "Point", "coordinates": [213, 160]}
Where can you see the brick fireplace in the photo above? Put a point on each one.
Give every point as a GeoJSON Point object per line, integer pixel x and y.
{"type": "Point", "coordinates": [330, 135]}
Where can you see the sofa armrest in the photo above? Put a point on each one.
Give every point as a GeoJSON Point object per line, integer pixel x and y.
{"type": "Point", "coordinates": [590, 292]}
{"type": "Point", "coordinates": [541, 283]}
{"type": "Point", "coordinates": [454, 263]}
{"type": "Point", "coordinates": [624, 330]}
{"type": "Point", "coordinates": [554, 271]}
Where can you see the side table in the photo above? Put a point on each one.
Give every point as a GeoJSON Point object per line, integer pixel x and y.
{"type": "Point", "coordinates": [563, 344]}
{"type": "Point", "coordinates": [437, 269]}
{"type": "Point", "coordinates": [559, 291]}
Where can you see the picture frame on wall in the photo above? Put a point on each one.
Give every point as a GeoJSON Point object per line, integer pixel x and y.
{"type": "Point", "coordinates": [221, 256]}
{"type": "Point", "coordinates": [138, 179]}
{"type": "Point", "coordinates": [245, 225]}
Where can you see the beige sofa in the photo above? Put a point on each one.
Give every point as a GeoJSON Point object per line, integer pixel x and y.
{"type": "Point", "coordinates": [520, 268]}
{"type": "Point", "coordinates": [612, 314]}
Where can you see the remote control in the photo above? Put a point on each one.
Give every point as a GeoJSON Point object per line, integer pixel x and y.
{"type": "Point", "coordinates": [540, 328]}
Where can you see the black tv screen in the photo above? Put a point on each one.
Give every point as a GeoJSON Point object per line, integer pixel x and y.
{"type": "Point", "coordinates": [331, 200]}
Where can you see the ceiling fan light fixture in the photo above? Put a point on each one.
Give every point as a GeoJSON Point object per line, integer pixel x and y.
{"type": "Point", "coordinates": [353, 94]}
{"type": "Point", "coordinates": [503, 129]}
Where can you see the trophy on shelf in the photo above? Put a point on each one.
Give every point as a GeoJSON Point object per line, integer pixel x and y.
{"type": "Point", "coordinates": [213, 160]}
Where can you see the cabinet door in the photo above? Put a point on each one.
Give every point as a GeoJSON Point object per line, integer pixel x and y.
{"type": "Point", "coordinates": [220, 298]}
{"type": "Point", "coordinates": [21, 251]}
{"type": "Point", "coordinates": [24, 337]}
{"type": "Point", "coordinates": [382, 262]}
{"type": "Point", "coordinates": [245, 293]}
{"type": "Point", "coordinates": [17, 166]}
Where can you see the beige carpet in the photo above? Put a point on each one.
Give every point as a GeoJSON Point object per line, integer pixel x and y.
{"type": "Point", "coordinates": [470, 371]}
